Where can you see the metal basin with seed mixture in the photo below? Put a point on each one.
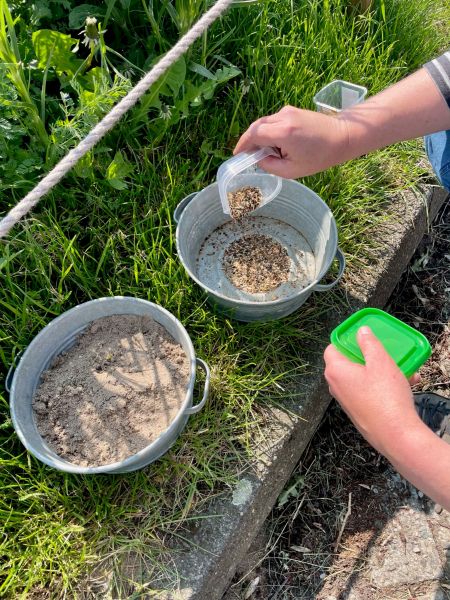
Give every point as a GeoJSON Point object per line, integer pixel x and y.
{"type": "Point", "coordinates": [297, 218]}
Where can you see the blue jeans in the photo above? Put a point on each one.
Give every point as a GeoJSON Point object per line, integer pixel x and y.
{"type": "Point", "coordinates": [438, 149]}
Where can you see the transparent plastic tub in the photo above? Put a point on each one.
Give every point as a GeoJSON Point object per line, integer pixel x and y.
{"type": "Point", "coordinates": [338, 95]}
{"type": "Point", "coordinates": [241, 171]}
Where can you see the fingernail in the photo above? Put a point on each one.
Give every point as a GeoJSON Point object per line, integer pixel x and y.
{"type": "Point", "coordinates": [364, 330]}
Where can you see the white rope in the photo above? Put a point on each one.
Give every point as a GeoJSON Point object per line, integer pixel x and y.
{"type": "Point", "coordinates": [108, 122]}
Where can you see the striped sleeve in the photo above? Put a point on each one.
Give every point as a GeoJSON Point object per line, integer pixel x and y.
{"type": "Point", "coordinates": [439, 69]}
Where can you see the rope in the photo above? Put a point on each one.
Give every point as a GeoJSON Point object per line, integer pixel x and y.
{"type": "Point", "coordinates": [108, 122]}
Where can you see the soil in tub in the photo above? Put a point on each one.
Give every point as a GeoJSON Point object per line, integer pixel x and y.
{"type": "Point", "coordinates": [113, 393]}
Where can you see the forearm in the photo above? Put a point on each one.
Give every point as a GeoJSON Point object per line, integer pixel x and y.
{"type": "Point", "coordinates": [424, 460]}
{"type": "Point", "coordinates": [409, 109]}
{"type": "Point", "coordinates": [310, 142]}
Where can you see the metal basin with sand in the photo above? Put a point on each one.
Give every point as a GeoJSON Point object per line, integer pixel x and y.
{"type": "Point", "coordinates": [58, 337]}
{"type": "Point", "coordinates": [297, 219]}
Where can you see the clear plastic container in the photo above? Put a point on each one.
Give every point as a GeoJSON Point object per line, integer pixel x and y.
{"type": "Point", "coordinates": [240, 171]}
{"type": "Point", "coordinates": [338, 95]}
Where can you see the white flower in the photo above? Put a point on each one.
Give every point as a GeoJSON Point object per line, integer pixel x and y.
{"type": "Point", "coordinates": [246, 84]}
{"type": "Point", "coordinates": [91, 32]}
{"type": "Point", "coordinates": [165, 112]}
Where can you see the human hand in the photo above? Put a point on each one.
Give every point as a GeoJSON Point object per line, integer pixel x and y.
{"type": "Point", "coordinates": [308, 141]}
{"type": "Point", "coordinates": [376, 396]}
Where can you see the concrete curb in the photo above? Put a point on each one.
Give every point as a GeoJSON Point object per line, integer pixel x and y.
{"type": "Point", "coordinates": [207, 565]}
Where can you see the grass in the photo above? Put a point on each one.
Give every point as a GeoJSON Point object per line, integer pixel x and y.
{"type": "Point", "coordinates": [65, 536]}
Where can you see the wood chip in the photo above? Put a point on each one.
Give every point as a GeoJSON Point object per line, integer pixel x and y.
{"type": "Point", "coordinates": [253, 585]}
{"type": "Point", "coordinates": [302, 549]}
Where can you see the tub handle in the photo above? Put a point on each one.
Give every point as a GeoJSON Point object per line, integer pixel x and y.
{"type": "Point", "coordinates": [11, 371]}
{"type": "Point", "coordinates": [323, 287]}
{"type": "Point", "coordinates": [195, 409]}
{"type": "Point", "coordinates": [181, 206]}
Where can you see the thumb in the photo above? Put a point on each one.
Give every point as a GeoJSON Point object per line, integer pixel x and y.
{"type": "Point", "coordinates": [371, 347]}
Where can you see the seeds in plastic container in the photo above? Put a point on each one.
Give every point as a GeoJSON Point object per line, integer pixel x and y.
{"type": "Point", "coordinates": [244, 201]}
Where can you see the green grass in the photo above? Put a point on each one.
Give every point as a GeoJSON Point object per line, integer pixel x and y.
{"type": "Point", "coordinates": [64, 533]}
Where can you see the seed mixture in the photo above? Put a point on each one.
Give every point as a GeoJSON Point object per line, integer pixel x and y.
{"type": "Point", "coordinates": [256, 263]}
{"type": "Point", "coordinates": [113, 393]}
{"type": "Point", "coordinates": [210, 264]}
{"type": "Point", "coordinates": [244, 201]}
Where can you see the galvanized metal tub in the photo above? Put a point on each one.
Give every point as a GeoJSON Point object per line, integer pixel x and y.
{"type": "Point", "coordinates": [58, 336]}
{"type": "Point", "coordinates": [297, 208]}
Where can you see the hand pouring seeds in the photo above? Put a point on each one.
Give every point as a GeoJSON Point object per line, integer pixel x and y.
{"type": "Point", "coordinates": [253, 262]}
{"type": "Point", "coordinates": [225, 256]}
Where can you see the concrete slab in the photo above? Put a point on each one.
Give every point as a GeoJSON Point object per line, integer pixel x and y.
{"type": "Point", "coordinates": [434, 592]}
{"type": "Point", "coordinates": [207, 563]}
{"type": "Point", "coordinates": [410, 556]}
{"type": "Point", "coordinates": [440, 526]}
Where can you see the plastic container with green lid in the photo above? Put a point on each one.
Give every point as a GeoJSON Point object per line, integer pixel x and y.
{"type": "Point", "coordinates": [408, 347]}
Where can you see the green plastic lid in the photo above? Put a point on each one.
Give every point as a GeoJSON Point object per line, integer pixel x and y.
{"type": "Point", "coordinates": [407, 346]}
